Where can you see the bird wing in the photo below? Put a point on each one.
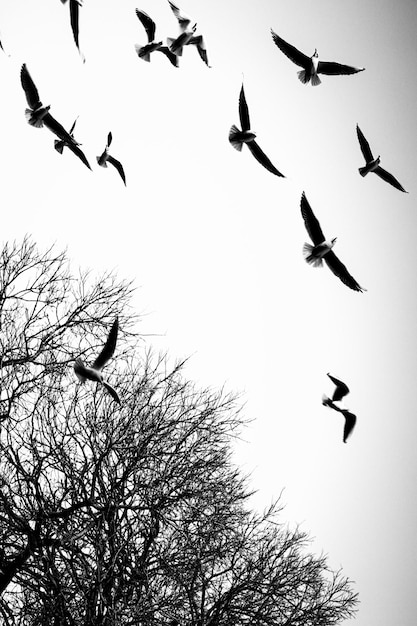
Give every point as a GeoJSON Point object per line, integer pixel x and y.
{"type": "Point", "coordinates": [389, 178]}
{"type": "Point", "coordinates": [243, 111]}
{"type": "Point", "coordinates": [311, 222]}
{"type": "Point", "coordinates": [297, 57]}
{"type": "Point", "coordinates": [109, 347]}
{"type": "Point", "coordinates": [182, 19]}
{"type": "Point", "coordinates": [118, 166]}
{"type": "Point", "coordinates": [170, 55]}
{"type": "Point", "coordinates": [341, 272]}
{"type": "Point", "coordinates": [57, 128]}
{"type": "Point", "coordinates": [328, 67]}
{"type": "Point", "coordinates": [32, 95]}
{"type": "Point", "coordinates": [109, 139]}
{"type": "Point", "coordinates": [147, 23]}
{"type": "Point", "coordinates": [112, 391]}
{"type": "Point", "coordinates": [366, 150]}
{"type": "Point", "coordinates": [262, 158]}
{"type": "Point", "coordinates": [71, 130]}
{"type": "Point", "coordinates": [198, 41]}
{"type": "Point", "coordinates": [341, 388]}
{"type": "Point", "coordinates": [350, 421]}
{"type": "Point", "coordinates": [74, 14]}
{"type": "Point", "coordinates": [79, 153]}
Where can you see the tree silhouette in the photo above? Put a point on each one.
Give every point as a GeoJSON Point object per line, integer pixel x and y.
{"type": "Point", "coordinates": [130, 514]}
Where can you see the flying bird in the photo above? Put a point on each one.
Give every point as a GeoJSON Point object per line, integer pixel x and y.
{"type": "Point", "coordinates": [93, 373]}
{"type": "Point", "coordinates": [341, 388]}
{"type": "Point", "coordinates": [106, 157]}
{"type": "Point", "coordinates": [350, 418]}
{"type": "Point", "coordinates": [74, 6]}
{"type": "Point", "coordinates": [311, 65]}
{"type": "Point", "coordinates": [322, 248]}
{"type": "Point", "coordinates": [59, 145]}
{"type": "Point", "coordinates": [38, 115]}
{"type": "Point", "coordinates": [246, 136]}
{"type": "Point", "coordinates": [372, 165]}
{"type": "Point", "coordinates": [144, 52]}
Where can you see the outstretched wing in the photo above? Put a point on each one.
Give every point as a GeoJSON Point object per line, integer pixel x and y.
{"type": "Point", "coordinates": [311, 222]}
{"type": "Point", "coordinates": [389, 178]}
{"type": "Point", "coordinates": [169, 55]}
{"type": "Point", "coordinates": [109, 139]}
{"type": "Point", "coordinates": [366, 150]}
{"type": "Point", "coordinates": [74, 17]}
{"type": "Point", "coordinates": [328, 67]}
{"type": "Point", "coordinates": [262, 158]}
{"type": "Point", "coordinates": [147, 23]}
{"type": "Point", "coordinates": [297, 57]}
{"type": "Point", "coordinates": [109, 347]}
{"type": "Point", "coordinates": [57, 128]}
{"type": "Point", "coordinates": [243, 111]}
{"type": "Point", "coordinates": [32, 95]}
{"type": "Point", "coordinates": [341, 272]}
{"type": "Point", "coordinates": [112, 391]}
{"type": "Point", "coordinates": [118, 167]}
{"type": "Point", "coordinates": [350, 421]}
{"type": "Point", "coordinates": [341, 388]}
{"type": "Point", "coordinates": [79, 153]}
{"type": "Point", "coordinates": [183, 20]}
{"type": "Point", "coordinates": [198, 41]}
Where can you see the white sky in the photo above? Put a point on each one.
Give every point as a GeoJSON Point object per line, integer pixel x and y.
{"type": "Point", "coordinates": [214, 242]}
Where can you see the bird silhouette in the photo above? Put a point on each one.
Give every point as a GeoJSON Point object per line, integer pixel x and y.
{"type": "Point", "coordinates": [341, 388]}
{"type": "Point", "coordinates": [350, 418]}
{"type": "Point", "coordinates": [246, 136]}
{"type": "Point", "coordinates": [311, 65]}
{"type": "Point", "coordinates": [38, 115]}
{"type": "Point", "coordinates": [372, 165]}
{"type": "Point", "coordinates": [105, 158]}
{"type": "Point", "coordinates": [144, 52]}
{"type": "Point", "coordinates": [322, 248]}
{"type": "Point", "coordinates": [93, 372]}
{"type": "Point", "coordinates": [59, 145]}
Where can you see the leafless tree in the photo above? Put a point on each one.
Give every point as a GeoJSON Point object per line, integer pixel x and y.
{"type": "Point", "coordinates": [130, 514]}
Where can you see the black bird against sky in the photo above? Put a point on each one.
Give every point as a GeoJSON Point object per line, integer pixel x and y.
{"type": "Point", "coordinates": [105, 158]}
{"type": "Point", "coordinates": [144, 52]}
{"type": "Point", "coordinates": [372, 164]}
{"type": "Point", "coordinates": [350, 418]}
{"type": "Point", "coordinates": [93, 372]}
{"type": "Point", "coordinates": [74, 7]}
{"type": "Point", "coordinates": [322, 248]}
{"type": "Point", "coordinates": [246, 136]}
{"type": "Point", "coordinates": [311, 65]}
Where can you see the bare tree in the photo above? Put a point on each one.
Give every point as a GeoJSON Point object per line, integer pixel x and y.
{"type": "Point", "coordinates": [132, 514]}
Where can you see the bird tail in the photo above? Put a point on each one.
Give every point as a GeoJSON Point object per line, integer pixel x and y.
{"type": "Point", "coordinates": [59, 145]}
{"type": "Point", "coordinates": [146, 56]}
{"type": "Point", "coordinates": [33, 121]}
{"type": "Point", "coordinates": [303, 76]}
{"type": "Point", "coordinates": [309, 257]}
{"type": "Point", "coordinates": [315, 80]}
{"type": "Point", "coordinates": [363, 171]}
{"type": "Point", "coordinates": [233, 138]}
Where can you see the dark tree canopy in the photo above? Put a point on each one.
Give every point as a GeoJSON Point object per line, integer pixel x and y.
{"type": "Point", "coordinates": [130, 514]}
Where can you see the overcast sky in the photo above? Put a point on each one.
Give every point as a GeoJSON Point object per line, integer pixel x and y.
{"type": "Point", "coordinates": [214, 242]}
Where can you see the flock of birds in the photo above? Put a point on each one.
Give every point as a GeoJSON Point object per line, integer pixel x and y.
{"type": "Point", "coordinates": [321, 249]}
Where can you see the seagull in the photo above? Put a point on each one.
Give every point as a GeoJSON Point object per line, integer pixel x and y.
{"type": "Point", "coordinates": [238, 137]}
{"type": "Point", "coordinates": [93, 373]}
{"type": "Point", "coordinates": [38, 115]}
{"type": "Point", "coordinates": [144, 52]}
{"type": "Point", "coordinates": [350, 418]}
{"type": "Point", "coordinates": [187, 31]}
{"type": "Point", "coordinates": [59, 145]}
{"type": "Point", "coordinates": [74, 17]}
{"type": "Point", "coordinates": [341, 388]}
{"type": "Point", "coordinates": [106, 157]}
{"type": "Point", "coordinates": [312, 66]}
{"type": "Point", "coordinates": [322, 248]}
{"type": "Point", "coordinates": [372, 165]}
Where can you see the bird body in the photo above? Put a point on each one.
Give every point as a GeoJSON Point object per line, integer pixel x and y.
{"type": "Point", "coordinates": [321, 250]}
{"type": "Point", "coordinates": [373, 165]}
{"type": "Point", "coordinates": [93, 372]}
{"type": "Point", "coordinates": [312, 66]}
{"type": "Point", "coordinates": [246, 136]}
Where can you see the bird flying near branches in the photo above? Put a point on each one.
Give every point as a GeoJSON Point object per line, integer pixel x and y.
{"type": "Point", "coordinates": [93, 372]}
{"type": "Point", "coordinates": [322, 248]}
{"type": "Point", "coordinates": [312, 66]}
{"type": "Point", "coordinates": [246, 136]}
{"type": "Point", "coordinates": [372, 165]}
